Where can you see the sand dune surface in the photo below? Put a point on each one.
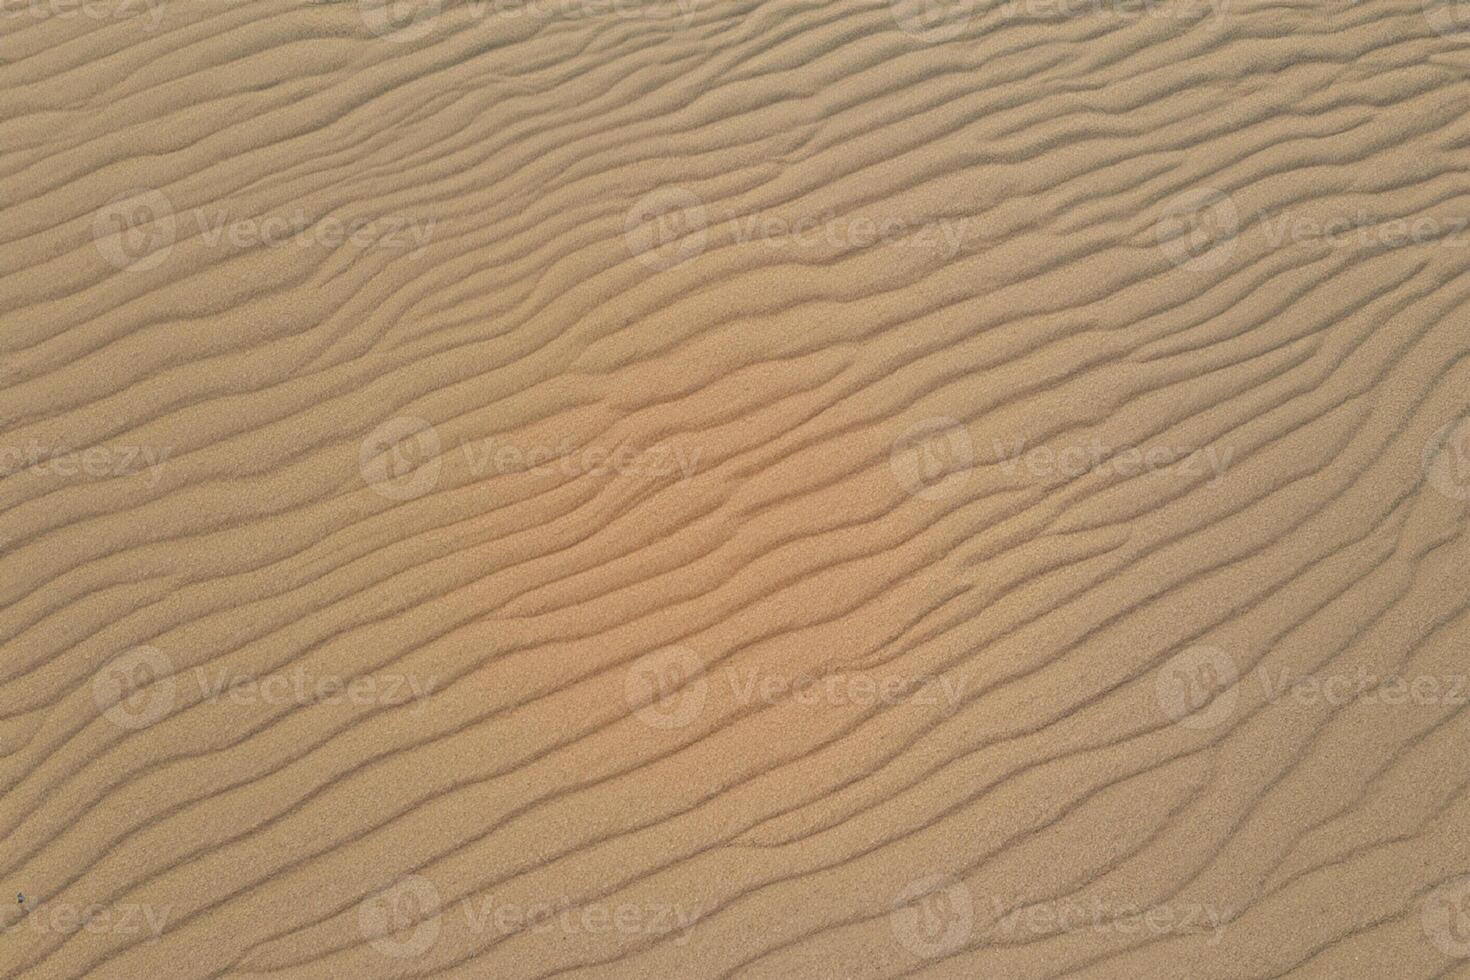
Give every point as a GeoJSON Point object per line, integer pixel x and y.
{"type": "Point", "coordinates": [734, 488]}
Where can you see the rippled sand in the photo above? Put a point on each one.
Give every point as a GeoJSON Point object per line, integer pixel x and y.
{"type": "Point", "coordinates": [657, 488]}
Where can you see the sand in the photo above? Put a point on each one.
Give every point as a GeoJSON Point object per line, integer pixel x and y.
{"type": "Point", "coordinates": [694, 489]}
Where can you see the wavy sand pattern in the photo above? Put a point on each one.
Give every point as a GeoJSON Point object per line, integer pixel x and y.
{"type": "Point", "coordinates": [734, 488]}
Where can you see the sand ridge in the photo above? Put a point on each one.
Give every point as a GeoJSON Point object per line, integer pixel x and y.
{"type": "Point", "coordinates": [624, 488]}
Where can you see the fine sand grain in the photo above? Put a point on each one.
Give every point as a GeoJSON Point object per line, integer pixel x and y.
{"type": "Point", "coordinates": [734, 488]}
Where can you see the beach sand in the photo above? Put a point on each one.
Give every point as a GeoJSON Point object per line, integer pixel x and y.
{"type": "Point", "coordinates": [693, 489]}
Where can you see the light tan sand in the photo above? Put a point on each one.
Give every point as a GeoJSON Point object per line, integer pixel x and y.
{"type": "Point", "coordinates": [536, 488]}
